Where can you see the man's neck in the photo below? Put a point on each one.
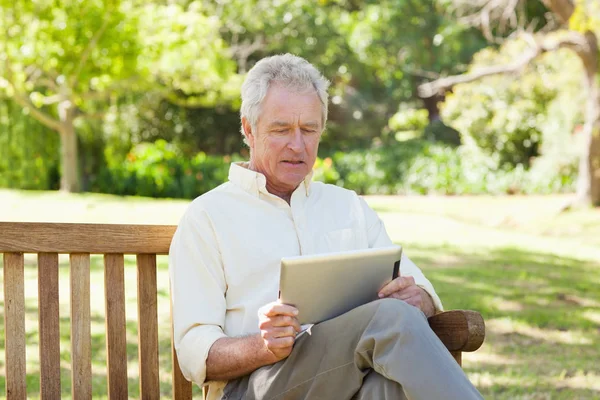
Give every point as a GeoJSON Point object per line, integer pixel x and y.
{"type": "Point", "coordinates": [284, 194]}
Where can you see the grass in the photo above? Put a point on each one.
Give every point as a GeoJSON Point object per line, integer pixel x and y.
{"type": "Point", "coordinates": [531, 271]}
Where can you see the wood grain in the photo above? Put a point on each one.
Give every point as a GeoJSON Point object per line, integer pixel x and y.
{"type": "Point", "coordinates": [457, 356]}
{"type": "Point", "coordinates": [182, 388]}
{"type": "Point", "coordinates": [147, 326]}
{"type": "Point", "coordinates": [116, 345]}
{"type": "Point", "coordinates": [459, 330]}
{"type": "Point", "coordinates": [81, 353]}
{"type": "Point", "coordinates": [14, 326]}
{"type": "Point", "coordinates": [49, 326]}
{"type": "Point", "coordinates": [27, 237]}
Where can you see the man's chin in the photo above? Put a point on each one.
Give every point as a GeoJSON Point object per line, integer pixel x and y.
{"type": "Point", "coordinates": [293, 179]}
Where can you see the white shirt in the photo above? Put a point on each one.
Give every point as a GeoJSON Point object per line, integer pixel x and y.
{"type": "Point", "coordinates": [225, 256]}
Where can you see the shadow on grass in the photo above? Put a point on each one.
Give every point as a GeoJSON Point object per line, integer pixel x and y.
{"type": "Point", "coordinates": [542, 318]}
{"type": "Point", "coordinates": [539, 289]}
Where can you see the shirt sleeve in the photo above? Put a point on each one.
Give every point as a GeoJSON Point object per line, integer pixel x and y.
{"type": "Point", "coordinates": [198, 289]}
{"type": "Point", "coordinates": [378, 237]}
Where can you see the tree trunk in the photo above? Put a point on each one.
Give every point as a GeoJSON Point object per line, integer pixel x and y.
{"type": "Point", "coordinates": [588, 183]}
{"type": "Point", "coordinates": [69, 156]}
{"type": "Point", "coordinates": [431, 104]}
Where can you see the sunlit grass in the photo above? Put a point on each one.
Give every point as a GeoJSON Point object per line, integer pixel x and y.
{"type": "Point", "coordinates": [531, 271]}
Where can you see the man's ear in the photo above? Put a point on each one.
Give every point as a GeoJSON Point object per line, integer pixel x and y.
{"type": "Point", "coordinates": [247, 127]}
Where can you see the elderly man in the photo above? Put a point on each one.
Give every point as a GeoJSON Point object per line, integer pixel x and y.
{"type": "Point", "coordinates": [230, 331]}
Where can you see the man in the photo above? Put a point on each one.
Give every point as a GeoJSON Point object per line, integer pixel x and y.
{"type": "Point", "coordinates": [230, 331]}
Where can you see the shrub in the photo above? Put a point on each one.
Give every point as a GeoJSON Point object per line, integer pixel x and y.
{"type": "Point", "coordinates": [29, 152]}
{"type": "Point", "coordinates": [159, 170]}
{"type": "Point", "coordinates": [419, 167]}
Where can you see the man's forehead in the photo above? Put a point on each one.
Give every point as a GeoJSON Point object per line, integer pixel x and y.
{"type": "Point", "coordinates": [291, 121]}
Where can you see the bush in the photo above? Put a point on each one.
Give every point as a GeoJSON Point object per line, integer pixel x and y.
{"type": "Point", "coordinates": [419, 167]}
{"type": "Point", "coordinates": [29, 152]}
{"type": "Point", "coordinates": [159, 170]}
{"type": "Point", "coordinates": [437, 131]}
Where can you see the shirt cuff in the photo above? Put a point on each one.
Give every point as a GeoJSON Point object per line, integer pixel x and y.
{"type": "Point", "coordinates": [193, 349]}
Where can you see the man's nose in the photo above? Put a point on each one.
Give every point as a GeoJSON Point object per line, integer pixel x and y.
{"type": "Point", "coordinates": [296, 141]}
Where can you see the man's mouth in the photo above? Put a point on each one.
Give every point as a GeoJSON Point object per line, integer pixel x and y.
{"type": "Point", "coordinates": [294, 162]}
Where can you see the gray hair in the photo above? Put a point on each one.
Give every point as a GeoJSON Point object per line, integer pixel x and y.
{"type": "Point", "coordinates": [289, 70]}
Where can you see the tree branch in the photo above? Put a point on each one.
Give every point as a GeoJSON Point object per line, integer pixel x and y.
{"type": "Point", "coordinates": [24, 101]}
{"type": "Point", "coordinates": [483, 13]}
{"type": "Point", "coordinates": [49, 83]}
{"type": "Point", "coordinates": [563, 9]}
{"type": "Point", "coordinates": [242, 51]}
{"type": "Point", "coordinates": [94, 95]}
{"type": "Point", "coordinates": [38, 114]}
{"type": "Point", "coordinates": [106, 93]}
{"type": "Point", "coordinates": [572, 40]}
{"type": "Point", "coordinates": [88, 50]}
{"type": "Point", "coordinates": [94, 115]}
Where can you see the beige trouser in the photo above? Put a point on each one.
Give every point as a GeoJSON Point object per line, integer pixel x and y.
{"type": "Point", "coordinates": [382, 350]}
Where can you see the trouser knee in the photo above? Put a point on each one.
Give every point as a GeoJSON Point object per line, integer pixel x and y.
{"type": "Point", "coordinates": [394, 311]}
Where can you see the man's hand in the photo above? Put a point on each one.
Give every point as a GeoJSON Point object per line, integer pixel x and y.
{"type": "Point", "coordinates": [404, 288]}
{"type": "Point", "coordinates": [278, 328]}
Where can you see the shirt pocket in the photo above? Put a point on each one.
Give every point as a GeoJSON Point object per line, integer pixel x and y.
{"type": "Point", "coordinates": [341, 240]}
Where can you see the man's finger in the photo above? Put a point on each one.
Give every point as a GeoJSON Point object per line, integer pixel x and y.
{"type": "Point", "coordinates": [273, 309]}
{"type": "Point", "coordinates": [286, 320]}
{"type": "Point", "coordinates": [280, 342]}
{"type": "Point", "coordinates": [397, 285]}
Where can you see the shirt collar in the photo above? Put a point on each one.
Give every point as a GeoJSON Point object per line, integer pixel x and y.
{"type": "Point", "coordinates": [254, 182]}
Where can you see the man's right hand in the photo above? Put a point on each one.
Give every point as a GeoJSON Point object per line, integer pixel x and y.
{"type": "Point", "coordinates": [278, 324]}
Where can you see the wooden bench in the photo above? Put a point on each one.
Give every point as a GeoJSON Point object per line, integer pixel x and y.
{"type": "Point", "coordinates": [459, 330]}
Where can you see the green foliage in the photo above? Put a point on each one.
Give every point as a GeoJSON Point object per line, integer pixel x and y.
{"type": "Point", "coordinates": [92, 49]}
{"type": "Point", "coordinates": [172, 72]}
{"type": "Point", "coordinates": [418, 167]}
{"type": "Point", "coordinates": [28, 151]}
{"type": "Point", "coordinates": [409, 119]}
{"type": "Point", "coordinates": [500, 114]}
{"type": "Point", "coordinates": [373, 53]}
{"type": "Point", "coordinates": [159, 170]}
{"type": "Point", "coordinates": [323, 171]}
{"type": "Point", "coordinates": [586, 16]}
{"type": "Point", "coordinates": [438, 131]}
{"type": "Point", "coordinates": [359, 171]}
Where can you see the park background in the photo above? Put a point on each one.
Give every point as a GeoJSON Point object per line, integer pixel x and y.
{"type": "Point", "coordinates": [470, 126]}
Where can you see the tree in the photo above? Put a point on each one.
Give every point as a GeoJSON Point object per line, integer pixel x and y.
{"type": "Point", "coordinates": [64, 61]}
{"type": "Point", "coordinates": [571, 27]}
{"type": "Point", "coordinates": [374, 53]}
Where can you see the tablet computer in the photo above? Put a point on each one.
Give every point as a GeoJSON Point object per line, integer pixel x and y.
{"type": "Point", "coordinates": [324, 286]}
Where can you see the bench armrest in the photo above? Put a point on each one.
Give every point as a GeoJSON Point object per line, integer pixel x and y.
{"type": "Point", "coordinates": [459, 330]}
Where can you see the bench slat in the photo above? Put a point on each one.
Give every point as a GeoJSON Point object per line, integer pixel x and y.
{"type": "Point", "coordinates": [182, 388]}
{"type": "Point", "coordinates": [33, 237]}
{"type": "Point", "coordinates": [49, 325]}
{"type": "Point", "coordinates": [14, 325]}
{"type": "Point", "coordinates": [116, 345]}
{"type": "Point", "coordinates": [148, 326]}
{"type": "Point", "coordinates": [81, 353]}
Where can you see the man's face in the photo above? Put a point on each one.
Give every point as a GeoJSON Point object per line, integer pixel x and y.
{"type": "Point", "coordinates": [285, 143]}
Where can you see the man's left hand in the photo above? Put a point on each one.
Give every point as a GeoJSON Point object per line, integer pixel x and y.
{"type": "Point", "coordinates": [404, 288]}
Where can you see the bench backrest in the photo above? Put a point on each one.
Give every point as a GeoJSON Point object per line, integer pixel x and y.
{"type": "Point", "coordinates": [79, 241]}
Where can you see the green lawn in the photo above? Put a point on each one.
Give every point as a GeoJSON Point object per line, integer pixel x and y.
{"type": "Point", "coordinates": [531, 271]}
